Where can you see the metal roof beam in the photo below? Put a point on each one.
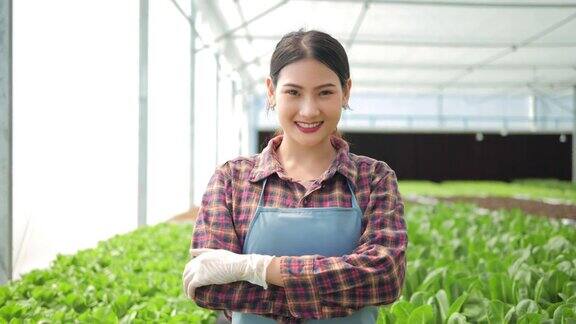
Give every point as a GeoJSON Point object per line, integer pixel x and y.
{"type": "Point", "coordinates": [191, 21]}
{"type": "Point", "coordinates": [226, 32]}
{"type": "Point", "coordinates": [448, 67]}
{"type": "Point", "coordinates": [357, 24]}
{"type": "Point", "coordinates": [548, 98]}
{"type": "Point", "coordinates": [511, 49]}
{"type": "Point", "coordinates": [243, 20]}
{"type": "Point", "coordinates": [437, 86]}
{"type": "Point", "coordinates": [417, 43]}
{"type": "Point", "coordinates": [218, 24]}
{"type": "Point", "coordinates": [248, 36]}
{"type": "Point", "coordinates": [473, 4]}
{"type": "Point", "coordinates": [463, 85]}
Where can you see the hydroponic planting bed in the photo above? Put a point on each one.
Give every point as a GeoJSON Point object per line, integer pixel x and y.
{"type": "Point", "coordinates": [464, 265]}
{"type": "Point", "coordinates": [131, 278]}
{"type": "Point", "coordinates": [534, 189]}
{"type": "Point", "coordinates": [528, 206]}
{"type": "Point", "coordinates": [469, 265]}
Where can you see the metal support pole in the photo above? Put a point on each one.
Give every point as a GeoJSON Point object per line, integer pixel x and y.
{"type": "Point", "coordinates": [193, 36]}
{"type": "Point", "coordinates": [532, 111]}
{"type": "Point", "coordinates": [5, 141]}
{"type": "Point", "coordinates": [537, 117]}
{"type": "Point", "coordinates": [253, 123]}
{"type": "Point", "coordinates": [217, 119]}
{"type": "Point", "coordinates": [440, 104]}
{"type": "Point", "coordinates": [574, 134]}
{"type": "Point", "coordinates": [143, 123]}
{"type": "Point", "coordinates": [238, 113]}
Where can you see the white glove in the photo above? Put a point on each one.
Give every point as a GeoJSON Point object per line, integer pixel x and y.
{"type": "Point", "coordinates": [218, 266]}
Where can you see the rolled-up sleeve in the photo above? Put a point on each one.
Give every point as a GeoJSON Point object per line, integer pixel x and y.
{"type": "Point", "coordinates": [373, 274]}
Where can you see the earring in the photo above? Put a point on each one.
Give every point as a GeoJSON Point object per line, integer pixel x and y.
{"type": "Point", "coordinates": [346, 106]}
{"type": "Point", "coordinates": [271, 107]}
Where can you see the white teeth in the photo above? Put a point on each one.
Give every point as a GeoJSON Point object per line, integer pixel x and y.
{"type": "Point", "coordinates": [307, 125]}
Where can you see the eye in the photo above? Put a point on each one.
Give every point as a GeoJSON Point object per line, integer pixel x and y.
{"type": "Point", "coordinates": [292, 92]}
{"type": "Point", "coordinates": [326, 92]}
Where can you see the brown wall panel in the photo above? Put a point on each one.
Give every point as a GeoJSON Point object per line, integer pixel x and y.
{"type": "Point", "coordinates": [439, 157]}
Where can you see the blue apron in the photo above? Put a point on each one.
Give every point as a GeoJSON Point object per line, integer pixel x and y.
{"type": "Point", "coordinates": [331, 231]}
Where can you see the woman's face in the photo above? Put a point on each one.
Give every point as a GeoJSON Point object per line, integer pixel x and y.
{"type": "Point", "coordinates": [309, 100]}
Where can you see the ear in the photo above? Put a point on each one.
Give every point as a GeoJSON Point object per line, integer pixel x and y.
{"type": "Point", "coordinates": [346, 91]}
{"type": "Point", "coordinates": [270, 90]}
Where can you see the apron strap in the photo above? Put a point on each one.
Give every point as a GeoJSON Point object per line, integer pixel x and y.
{"type": "Point", "coordinates": [354, 201]}
{"type": "Point", "coordinates": [262, 192]}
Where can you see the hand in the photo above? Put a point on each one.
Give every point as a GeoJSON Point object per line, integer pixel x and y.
{"type": "Point", "coordinates": [218, 266]}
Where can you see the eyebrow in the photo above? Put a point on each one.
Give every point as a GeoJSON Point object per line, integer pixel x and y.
{"type": "Point", "coordinates": [300, 87]}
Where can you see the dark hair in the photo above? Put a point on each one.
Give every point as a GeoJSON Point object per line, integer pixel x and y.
{"type": "Point", "coordinates": [315, 44]}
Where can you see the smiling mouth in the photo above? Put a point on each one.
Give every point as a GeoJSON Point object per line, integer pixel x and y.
{"type": "Point", "coordinates": [309, 125]}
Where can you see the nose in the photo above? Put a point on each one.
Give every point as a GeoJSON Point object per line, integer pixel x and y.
{"type": "Point", "coordinates": [309, 109]}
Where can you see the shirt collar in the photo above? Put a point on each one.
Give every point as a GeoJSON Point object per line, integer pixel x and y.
{"type": "Point", "coordinates": [268, 162]}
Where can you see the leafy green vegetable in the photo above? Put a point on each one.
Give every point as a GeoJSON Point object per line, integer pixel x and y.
{"type": "Point", "coordinates": [457, 318]}
{"type": "Point", "coordinates": [463, 266]}
{"type": "Point", "coordinates": [402, 310]}
{"type": "Point", "coordinates": [421, 315]}
{"type": "Point", "coordinates": [489, 268]}
{"type": "Point", "coordinates": [131, 278]}
{"type": "Point", "coordinates": [564, 191]}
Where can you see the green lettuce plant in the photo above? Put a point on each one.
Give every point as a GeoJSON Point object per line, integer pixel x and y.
{"type": "Point", "coordinates": [463, 266]}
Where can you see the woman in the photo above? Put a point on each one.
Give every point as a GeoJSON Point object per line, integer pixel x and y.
{"type": "Point", "coordinates": [305, 231]}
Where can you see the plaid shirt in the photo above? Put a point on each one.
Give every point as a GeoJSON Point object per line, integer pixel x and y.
{"type": "Point", "coordinates": [315, 286]}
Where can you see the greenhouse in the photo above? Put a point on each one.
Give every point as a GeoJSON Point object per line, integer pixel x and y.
{"type": "Point", "coordinates": [165, 162]}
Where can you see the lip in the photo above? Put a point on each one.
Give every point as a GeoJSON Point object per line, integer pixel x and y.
{"type": "Point", "coordinates": [309, 130]}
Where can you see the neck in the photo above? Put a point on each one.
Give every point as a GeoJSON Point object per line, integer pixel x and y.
{"type": "Point", "coordinates": [315, 159]}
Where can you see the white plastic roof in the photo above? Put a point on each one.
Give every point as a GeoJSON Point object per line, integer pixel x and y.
{"type": "Point", "coordinates": [418, 46]}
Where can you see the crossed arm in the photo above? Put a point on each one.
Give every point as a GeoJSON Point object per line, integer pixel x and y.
{"type": "Point", "coordinates": [312, 286]}
{"type": "Point", "coordinates": [273, 273]}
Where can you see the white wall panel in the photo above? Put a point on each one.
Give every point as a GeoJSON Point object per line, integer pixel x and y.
{"type": "Point", "coordinates": [75, 126]}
